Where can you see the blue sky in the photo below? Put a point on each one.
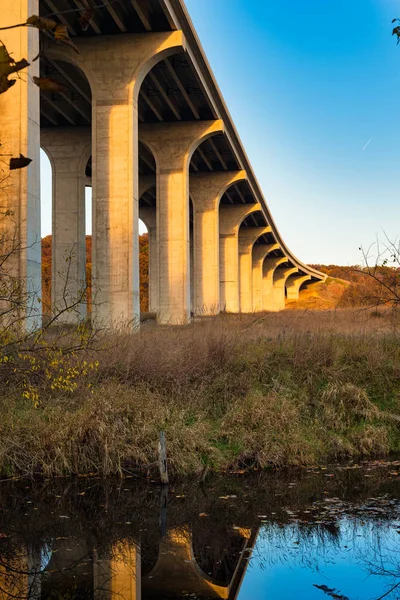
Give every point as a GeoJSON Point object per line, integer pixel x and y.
{"type": "Point", "coordinates": [313, 87]}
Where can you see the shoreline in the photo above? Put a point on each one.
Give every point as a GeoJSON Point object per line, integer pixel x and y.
{"type": "Point", "coordinates": [282, 390]}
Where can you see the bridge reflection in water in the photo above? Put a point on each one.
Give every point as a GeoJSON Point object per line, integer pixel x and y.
{"type": "Point", "coordinates": [72, 569]}
{"type": "Point", "coordinates": [90, 539]}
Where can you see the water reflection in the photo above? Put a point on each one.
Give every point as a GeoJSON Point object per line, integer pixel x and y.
{"type": "Point", "coordinates": [269, 536]}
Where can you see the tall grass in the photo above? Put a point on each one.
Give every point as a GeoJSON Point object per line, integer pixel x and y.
{"type": "Point", "coordinates": [292, 388]}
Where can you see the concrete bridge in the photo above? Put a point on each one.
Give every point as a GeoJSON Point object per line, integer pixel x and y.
{"type": "Point", "coordinates": [139, 117]}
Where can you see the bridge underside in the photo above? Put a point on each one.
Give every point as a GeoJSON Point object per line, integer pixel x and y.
{"type": "Point", "coordinates": [134, 111]}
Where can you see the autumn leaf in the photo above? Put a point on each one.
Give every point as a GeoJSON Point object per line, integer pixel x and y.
{"type": "Point", "coordinates": [5, 84]}
{"type": "Point", "coordinates": [49, 84]}
{"type": "Point", "coordinates": [396, 31]}
{"type": "Point", "coordinates": [5, 58]}
{"type": "Point", "coordinates": [42, 23]}
{"type": "Point", "coordinates": [7, 67]}
{"type": "Point", "coordinates": [61, 35]}
{"type": "Point", "coordinates": [19, 163]}
{"type": "Point", "coordinates": [18, 66]}
{"type": "Point", "coordinates": [85, 19]}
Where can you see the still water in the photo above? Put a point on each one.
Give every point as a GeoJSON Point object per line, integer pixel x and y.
{"type": "Point", "coordinates": [309, 534]}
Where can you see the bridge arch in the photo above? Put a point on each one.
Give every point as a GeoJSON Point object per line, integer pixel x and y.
{"type": "Point", "coordinates": [249, 235]}
{"type": "Point", "coordinates": [143, 53]}
{"type": "Point", "coordinates": [58, 54]}
{"type": "Point", "coordinates": [177, 566]}
{"type": "Point", "coordinates": [168, 45]}
{"type": "Point", "coordinates": [280, 276]}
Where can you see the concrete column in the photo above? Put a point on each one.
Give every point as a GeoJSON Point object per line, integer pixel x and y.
{"type": "Point", "coordinates": [269, 266]}
{"type": "Point", "coordinates": [230, 219]}
{"type": "Point", "coordinates": [115, 69]}
{"type": "Point", "coordinates": [191, 252]}
{"type": "Point", "coordinates": [173, 145]}
{"type": "Point", "coordinates": [207, 190]}
{"type": "Point", "coordinates": [259, 253]}
{"type": "Point", "coordinates": [247, 238]}
{"type": "Point", "coordinates": [148, 216]}
{"type": "Point", "coordinates": [69, 150]}
{"type": "Point", "coordinates": [278, 294]}
{"type": "Point", "coordinates": [20, 134]}
{"type": "Point", "coordinates": [293, 285]}
{"type": "Point", "coordinates": [120, 575]}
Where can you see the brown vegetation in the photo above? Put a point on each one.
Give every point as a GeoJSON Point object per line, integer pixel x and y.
{"type": "Point", "coordinates": [292, 388]}
{"type": "Point", "coordinates": [46, 272]}
{"type": "Point", "coordinates": [344, 287]}
{"type": "Point", "coordinates": [360, 286]}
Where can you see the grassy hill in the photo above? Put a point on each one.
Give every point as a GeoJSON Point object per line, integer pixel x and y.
{"type": "Point", "coordinates": [352, 286]}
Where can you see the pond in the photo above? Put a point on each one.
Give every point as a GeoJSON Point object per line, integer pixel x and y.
{"type": "Point", "coordinates": [316, 533]}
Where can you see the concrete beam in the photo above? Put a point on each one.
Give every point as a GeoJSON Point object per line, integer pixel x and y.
{"type": "Point", "coordinates": [206, 190]}
{"type": "Point", "coordinates": [20, 133]}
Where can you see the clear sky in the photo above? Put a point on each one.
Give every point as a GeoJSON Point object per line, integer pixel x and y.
{"type": "Point", "coordinates": [313, 87]}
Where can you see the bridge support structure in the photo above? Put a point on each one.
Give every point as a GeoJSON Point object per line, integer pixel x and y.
{"type": "Point", "coordinates": [206, 190]}
{"type": "Point", "coordinates": [115, 70]}
{"type": "Point", "coordinates": [279, 279]}
{"type": "Point", "coordinates": [293, 285]}
{"type": "Point", "coordinates": [230, 219]}
{"type": "Point", "coordinates": [269, 266]}
{"type": "Point", "coordinates": [260, 252]}
{"type": "Point", "coordinates": [118, 575]}
{"type": "Point", "coordinates": [20, 134]}
{"type": "Point", "coordinates": [247, 239]}
{"type": "Point", "coordinates": [172, 145]}
{"type": "Point", "coordinates": [69, 152]}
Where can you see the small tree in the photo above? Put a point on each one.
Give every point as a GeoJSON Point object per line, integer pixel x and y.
{"type": "Point", "coordinates": [382, 266]}
{"type": "Point", "coordinates": [46, 360]}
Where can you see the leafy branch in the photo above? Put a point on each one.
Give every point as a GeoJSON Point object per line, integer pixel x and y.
{"type": "Point", "coordinates": [396, 30]}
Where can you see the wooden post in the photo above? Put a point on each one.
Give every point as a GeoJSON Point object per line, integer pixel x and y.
{"type": "Point", "coordinates": [204, 473]}
{"type": "Point", "coordinates": [162, 459]}
{"type": "Point", "coordinates": [163, 511]}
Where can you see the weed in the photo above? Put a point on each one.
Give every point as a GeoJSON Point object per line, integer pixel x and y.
{"type": "Point", "coordinates": [292, 388]}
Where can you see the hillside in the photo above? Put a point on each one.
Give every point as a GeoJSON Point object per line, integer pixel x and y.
{"type": "Point", "coordinates": [345, 286]}
{"type": "Point", "coordinates": [351, 286]}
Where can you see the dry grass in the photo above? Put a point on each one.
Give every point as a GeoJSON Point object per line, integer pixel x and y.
{"type": "Point", "coordinates": [292, 388]}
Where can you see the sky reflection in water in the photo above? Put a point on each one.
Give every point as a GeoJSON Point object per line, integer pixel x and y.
{"type": "Point", "coordinates": [283, 568]}
{"type": "Point", "coordinates": [237, 537]}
